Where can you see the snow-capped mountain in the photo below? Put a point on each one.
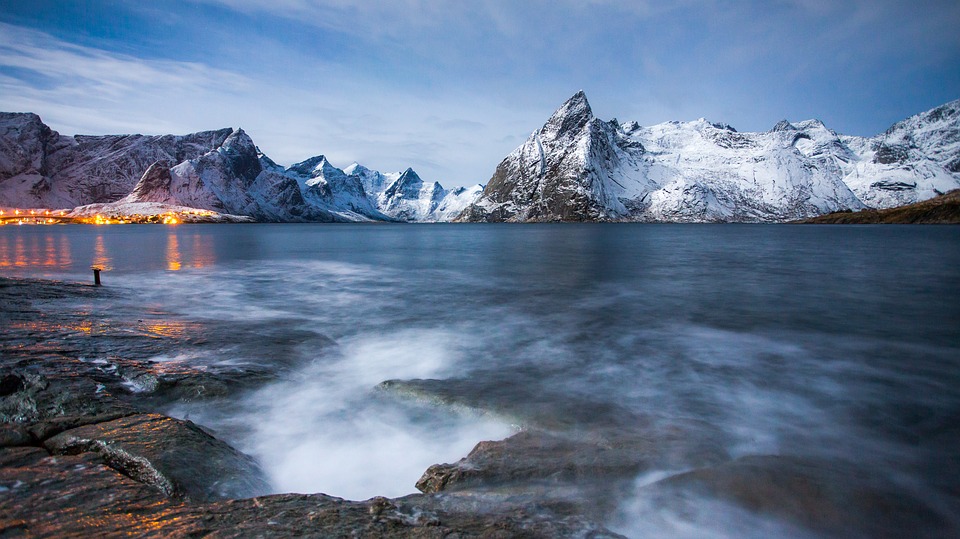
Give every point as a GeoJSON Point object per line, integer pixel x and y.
{"type": "Point", "coordinates": [406, 197]}
{"type": "Point", "coordinates": [222, 171]}
{"type": "Point", "coordinates": [39, 168]}
{"type": "Point", "coordinates": [326, 186]}
{"type": "Point", "coordinates": [580, 168]}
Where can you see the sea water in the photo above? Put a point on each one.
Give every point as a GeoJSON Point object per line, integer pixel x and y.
{"type": "Point", "coordinates": [837, 342]}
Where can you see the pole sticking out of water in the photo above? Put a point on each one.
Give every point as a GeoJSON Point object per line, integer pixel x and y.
{"type": "Point", "coordinates": [96, 275]}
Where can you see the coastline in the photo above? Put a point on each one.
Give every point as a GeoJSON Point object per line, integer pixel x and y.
{"type": "Point", "coordinates": [84, 450]}
{"type": "Point", "coordinates": [81, 455]}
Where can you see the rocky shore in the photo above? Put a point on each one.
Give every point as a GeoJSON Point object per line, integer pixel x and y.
{"type": "Point", "coordinates": [82, 452]}
{"type": "Point", "coordinates": [85, 451]}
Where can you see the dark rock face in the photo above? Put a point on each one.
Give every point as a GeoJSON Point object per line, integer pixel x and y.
{"type": "Point", "coordinates": [172, 455]}
{"type": "Point", "coordinates": [552, 177]}
{"type": "Point", "coordinates": [154, 185]}
{"type": "Point", "coordinates": [891, 154]}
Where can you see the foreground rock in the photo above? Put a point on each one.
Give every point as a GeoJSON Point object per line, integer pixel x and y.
{"type": "Point", "coordinates": [175, 456]}
{"type": "Point", "coordinates": [81, 454]}
{"type": "Point", "coordinates": [572, 451]}
{"type": "Point", "coordinates": [79, 496]}
{"type": "Point", "coordinates": [586, 459]}
{"type": "Point", "coordinates": [834, 499]}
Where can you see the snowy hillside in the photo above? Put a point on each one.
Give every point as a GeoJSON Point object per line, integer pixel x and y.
{"type": "Point", "coordinates": [580, 168]}
{"type": "Point", "coordinates": [406, 197]}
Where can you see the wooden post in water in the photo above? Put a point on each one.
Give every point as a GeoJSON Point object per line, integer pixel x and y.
{"type": "Point", "coordinates": [96, 275]}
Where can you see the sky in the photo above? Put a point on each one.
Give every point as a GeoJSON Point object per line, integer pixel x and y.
{"type": "Point", "coordinates": [451, 87]}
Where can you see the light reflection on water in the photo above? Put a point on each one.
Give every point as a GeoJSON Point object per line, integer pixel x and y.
{"type": "Point", "coordinates": [173, 253]}
{"type": "Point", "coordinates": [100, 257]}
{"type": "Point", "coordinates": [50, 249]}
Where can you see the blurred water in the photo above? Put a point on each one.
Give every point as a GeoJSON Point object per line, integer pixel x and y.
{"type": "Point", "coordinates": [837, 342]}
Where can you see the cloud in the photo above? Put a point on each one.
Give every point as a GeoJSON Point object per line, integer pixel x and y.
{"type": "Point", "coordinates": [86, 90]}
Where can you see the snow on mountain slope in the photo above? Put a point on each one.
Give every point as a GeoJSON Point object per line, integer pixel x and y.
{"type": "Point", "coordinates": [404, 196]}
{"type": "Point", "coordinates": [42, 169]}
{"type": "Point", "coordinates": [326, 186]}
{"type": "Point", "coordinates": [221, 171]}
{"type": "Point", "coordinates": [579, 168]}
{"type": "Point", "coordinates": [235, 178]}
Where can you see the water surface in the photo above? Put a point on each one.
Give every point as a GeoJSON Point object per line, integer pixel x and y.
{"type": "Point", "coordinates": [840, 342]}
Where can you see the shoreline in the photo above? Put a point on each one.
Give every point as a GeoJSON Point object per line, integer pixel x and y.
{"type": "Point", "coordinates": [78, 457]}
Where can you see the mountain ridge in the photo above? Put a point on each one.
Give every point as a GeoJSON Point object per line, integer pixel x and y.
{"type": "Point", "coordinates": [220, 170]}
{"type": "Point", "coordinates": [577, 167]}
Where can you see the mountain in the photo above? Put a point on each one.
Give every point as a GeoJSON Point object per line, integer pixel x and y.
{"type": "Point", "coordinates": [326, 186]}
{"type": "Point", "coordinates": [221, 171]}
{"type": "Point", "coordinates": [406, 197]}
{"type": "Point", "coordinates": [39, 168]}
{"type": "Point", "coordinates": [580, 168]}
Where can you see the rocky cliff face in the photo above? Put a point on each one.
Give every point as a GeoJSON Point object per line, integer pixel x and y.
{"type": "Point", "coordinates": [409, 198]}
{"type": "Point", "coordinates": [39, 168]}
{"type": "Point", "coordinates": [579, 168]}
{"type": "Point", "coordinates": [327, 187]}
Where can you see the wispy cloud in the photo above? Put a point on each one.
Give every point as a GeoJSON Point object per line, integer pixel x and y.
{"type": "Point", "coordinates": [79, 89]}
{"type": "Point", "coordinates": [84, 88]}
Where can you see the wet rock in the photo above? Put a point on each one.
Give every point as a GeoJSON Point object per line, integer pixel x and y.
{"type": "Point", "coordinates": [44, 496]}
{"type": "Point", "coordinates": [173, 381]}
{"type": "Point", "coordinates": [45, 429]}
{"type": "Point", "coordinates": [516, 401]}
{"type": "Point", "coordinates": [13, 435]}
{"type": "Point", "coordinates": [117, 471]}
{"type": "Point", "coordinates": [78, 495]}
{"type": "Point", "coordinates": [10, 383]}
{"type": "Point", "coordinates": [536, 456]}
{"type": "Point", "coordinates": [575, 454]}
{"type": "Point", "coordinates": [827, 497]}
{"type": "Point", "coordinates": [174, 456]}
{"type": "Point", "coordinates": [41, 398]}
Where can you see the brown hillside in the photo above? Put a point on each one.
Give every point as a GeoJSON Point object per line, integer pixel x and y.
{"type": "Point", "coordinates": [942, 210]}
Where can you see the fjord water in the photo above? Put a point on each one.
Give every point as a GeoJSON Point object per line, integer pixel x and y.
{"type": "Point", "coordinates": [828, 342]}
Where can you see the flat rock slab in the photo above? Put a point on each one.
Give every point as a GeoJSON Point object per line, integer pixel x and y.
{"type": "Point", "coordinates": [830, 498]}
{"type": "Point", "coordinates": [80, 496]}
{"type": "Point", "coordinates": [67, 495]}
{"type": "Point", "coordinates": [174, 456]}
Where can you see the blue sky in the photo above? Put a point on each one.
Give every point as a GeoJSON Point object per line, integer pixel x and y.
{"type": "Point", "coordinates": [451, 87]}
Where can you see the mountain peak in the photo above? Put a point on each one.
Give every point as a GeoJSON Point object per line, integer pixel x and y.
{"type": "Point", "coordinates": [573, 115]}
{"type": "Point", "coordinates": [409, 175]}
{"type": "Point", "coordinates": [312, 167]}
{"type": "Point", "coordinates": [356, 169]}
{"type": "Point", "coordinates": [784, 125]}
